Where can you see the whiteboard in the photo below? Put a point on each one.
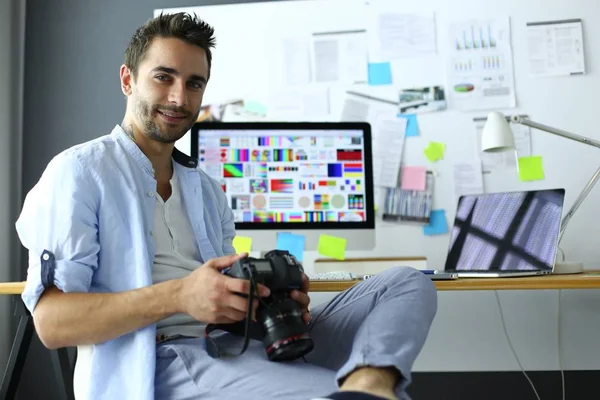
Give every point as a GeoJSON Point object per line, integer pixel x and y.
{"type": "Point", "coordinates": [249, 37]}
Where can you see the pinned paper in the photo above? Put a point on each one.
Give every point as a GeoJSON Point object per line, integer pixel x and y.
{"type": "Point", "coordinates": [292, 243]}
{"type": "Point", "coordinates": [412, 125]}
{"type": "Point", "coordinates": [435, 151]}
{"type": "Point", "coordinates": [332, 246]}
{"type": "Point", "coordinates": [242, 244]}
{"type": "Point", "coordinates": [437, 223]}
{"type": "Point", "coordinates": [531, 168]}
{"type": "Point", "coordinates": [413, 178]}
{"type": "Point", "coordinates": [380, 73]}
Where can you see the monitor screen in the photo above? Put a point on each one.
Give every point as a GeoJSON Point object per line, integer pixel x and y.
{"type": "Point", "coordinates": [278, 175]}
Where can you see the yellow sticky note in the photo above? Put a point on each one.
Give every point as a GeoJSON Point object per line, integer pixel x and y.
{"type": "Point", "coordinates": [531, 168]}
{"type": "Point", "coordinates": [332, 246]}
{"type": "Point", "coordinates": [435, 151]}
{"type": "Point", "coordinates": [242, 244]}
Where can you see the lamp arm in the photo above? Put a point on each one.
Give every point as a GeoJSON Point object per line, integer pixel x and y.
{"type": "Point", "coordinates": [573, 136]}
{"type": "Point", "coordinates": [577, 203]}
{"type": "Point", "coordinates": [578, 138]}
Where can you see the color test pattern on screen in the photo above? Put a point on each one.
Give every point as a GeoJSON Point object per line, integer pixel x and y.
{"type": "Point", "coordinates": [270, 176]}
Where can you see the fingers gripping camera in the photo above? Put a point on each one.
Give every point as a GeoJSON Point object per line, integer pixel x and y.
{"type": "Point", "coordinates": [279, 318]}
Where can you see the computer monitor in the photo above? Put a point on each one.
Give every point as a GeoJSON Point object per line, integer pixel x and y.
{"type": "Point", "coordinates": [307, 178]}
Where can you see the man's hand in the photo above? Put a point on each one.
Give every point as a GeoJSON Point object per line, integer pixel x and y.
{"type": "Point", "coordinates": [211, 297]}
{"type": "Point", "coordinates": [301, 297]}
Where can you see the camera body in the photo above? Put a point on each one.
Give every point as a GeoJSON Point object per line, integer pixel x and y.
{"type": "Point", "coordinates": [284, 333]}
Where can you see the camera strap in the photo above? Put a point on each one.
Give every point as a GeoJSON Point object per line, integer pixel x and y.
{"type": "Point", "coordinates": [243, 328]}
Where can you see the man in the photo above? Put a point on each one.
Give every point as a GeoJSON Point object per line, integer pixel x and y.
{"type": "Point", "coordinates": [127, 238]}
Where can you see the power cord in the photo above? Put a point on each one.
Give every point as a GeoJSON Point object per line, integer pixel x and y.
{"type": "Point", "coordinates": [562, 253]}
{"type": "Point", "coordinates": [558, 336]}
{"type": "Point", "coordinates": [511, 346]}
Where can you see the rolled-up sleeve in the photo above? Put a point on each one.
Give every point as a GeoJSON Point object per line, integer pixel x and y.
{"type": "Point", "coordinates": [59, 226]}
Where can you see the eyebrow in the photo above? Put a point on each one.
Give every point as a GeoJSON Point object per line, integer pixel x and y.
{"type": "Point", "coordinates": [173, 71]}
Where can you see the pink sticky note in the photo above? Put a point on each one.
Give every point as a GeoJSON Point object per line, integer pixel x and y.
{"type": "Point", "coordinates": [413, 178]}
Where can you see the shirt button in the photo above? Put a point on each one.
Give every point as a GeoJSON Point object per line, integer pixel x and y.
{"type": "Point", "coordinates": [46, 257]}
{"type": "Point", "coordinates": [150, 194]}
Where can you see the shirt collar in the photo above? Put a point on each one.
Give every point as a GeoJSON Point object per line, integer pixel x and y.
{"type": "Point", "coordinates": [132, 148]}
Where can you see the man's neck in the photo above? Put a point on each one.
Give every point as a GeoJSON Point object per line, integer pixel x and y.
{"type": "Point", "coordinates": [158, 153]}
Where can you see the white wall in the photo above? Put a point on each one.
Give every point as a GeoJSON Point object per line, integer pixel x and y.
{"type": "Point", "coordinates": [243, 64]}
{"type": "Point", "coordinates": [467, 333]}
{"type": "Point", "coordinates": [11, 25]}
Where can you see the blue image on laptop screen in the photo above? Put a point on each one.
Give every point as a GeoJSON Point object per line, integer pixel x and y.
{"type": "Point", "coordinates": [516, 231]}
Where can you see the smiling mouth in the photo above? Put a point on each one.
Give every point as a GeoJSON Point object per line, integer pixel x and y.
{"type": "Point", "coordinates": [172, 115]}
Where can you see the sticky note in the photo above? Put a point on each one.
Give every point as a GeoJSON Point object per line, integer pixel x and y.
{"type": "Point", "coordinates": [380, 73]}
{"type": "Point", "coordinates": [412, 125]}
{"type": "Point", "coordinates": [255, 107]}
{"type": "Point", "coordinates": [332, 246]}
{"type": "Point", "coordinates": [292, 243]}
{"type": "Point", "coordinates": [435, 151]}
{"type": "Point", "coordinates": [413, 178]}
{"type": "Point", "coordinates": [242, 244]}
{"type": "Point", "coordinates": [531, 168]}
{"type": "Point", "coordinates": [437, 223]}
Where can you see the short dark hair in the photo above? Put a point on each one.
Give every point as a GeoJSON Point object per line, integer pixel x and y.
{"type": "Point", "coordinates": [184, 26]}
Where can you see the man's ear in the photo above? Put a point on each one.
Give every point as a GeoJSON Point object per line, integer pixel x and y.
{"type": "Point", "coordinates": [126, 80]}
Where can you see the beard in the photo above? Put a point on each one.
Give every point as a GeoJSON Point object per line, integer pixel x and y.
{"type": "Point", "coordinates": [144, 112]}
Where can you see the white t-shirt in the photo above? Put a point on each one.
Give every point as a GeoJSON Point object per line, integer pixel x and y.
{"type": "Point", "coordinates": [177, 255]}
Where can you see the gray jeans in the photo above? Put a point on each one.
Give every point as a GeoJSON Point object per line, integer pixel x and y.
{"type": "Point", "coordinates": [382, 321]}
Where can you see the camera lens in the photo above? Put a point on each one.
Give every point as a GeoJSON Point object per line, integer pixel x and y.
{"type": "Point", "coordinates": [286, 335]}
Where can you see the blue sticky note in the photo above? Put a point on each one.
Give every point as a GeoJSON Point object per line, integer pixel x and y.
{"type": "Point", "coordinates": [437, 223]}
{"type": "Point", "coordinates": [292, 243]}
{"type": "Point", "coordinates": [412, 125]}
{"type": "Point", "coordinates": [380, 73]}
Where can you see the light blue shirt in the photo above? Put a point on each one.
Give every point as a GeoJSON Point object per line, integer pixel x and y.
{"type": "Point", "coordinates": [88, 226]}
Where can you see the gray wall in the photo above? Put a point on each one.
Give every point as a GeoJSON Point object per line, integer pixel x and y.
{"type": "Point", "coordinates": [74, 49]}
{"type": "Point", "coordinates": [11, 100]}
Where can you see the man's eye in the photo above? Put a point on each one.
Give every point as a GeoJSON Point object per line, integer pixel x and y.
{"type": "Point", "coordinates": [195, 85]}
{"type": "Point", "coordinates": [162, 77]}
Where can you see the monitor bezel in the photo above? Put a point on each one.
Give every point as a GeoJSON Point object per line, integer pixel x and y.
{"type": "Point", "coordinates": [368, 168]}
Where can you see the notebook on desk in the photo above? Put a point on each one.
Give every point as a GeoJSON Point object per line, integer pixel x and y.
{"type": "Point", "coordinates": [505, 234]}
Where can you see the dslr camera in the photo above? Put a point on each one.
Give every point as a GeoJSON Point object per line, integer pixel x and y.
{"type": "Point", "coordinates": [279, 318]}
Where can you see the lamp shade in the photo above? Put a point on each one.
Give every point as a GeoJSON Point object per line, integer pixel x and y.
{"type": "Point", "coordinates": [497, 135]}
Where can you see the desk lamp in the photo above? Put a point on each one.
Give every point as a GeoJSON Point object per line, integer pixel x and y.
{"type": "Point", "coordinates": [497, 137]}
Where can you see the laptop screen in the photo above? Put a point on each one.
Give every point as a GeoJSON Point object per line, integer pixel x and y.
{"type": "Point", "coordinates": [515, 231]}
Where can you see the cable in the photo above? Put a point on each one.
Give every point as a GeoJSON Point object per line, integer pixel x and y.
{"type": "Point", "coordinates": [511, 346]}
{"type": "Point", "coordinates": [562, 253]}
{"type": "Point", "coordinates": [558, 336]}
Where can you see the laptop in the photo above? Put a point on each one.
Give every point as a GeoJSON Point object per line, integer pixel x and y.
{"type": "Point", "coordinates": [505, 234]}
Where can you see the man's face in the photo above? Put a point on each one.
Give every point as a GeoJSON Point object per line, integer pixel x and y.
{"type": "Point", "coordinates": [166, 94]}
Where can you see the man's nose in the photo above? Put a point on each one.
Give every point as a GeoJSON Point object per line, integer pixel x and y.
{"type": "Point", "coordinates": [178, 95]}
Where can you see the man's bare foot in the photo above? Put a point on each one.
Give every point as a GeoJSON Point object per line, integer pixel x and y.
{"type": "Point", "coordinates": [376, 381]}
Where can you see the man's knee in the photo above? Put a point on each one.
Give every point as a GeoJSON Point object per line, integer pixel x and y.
{"type": "Point", "coordinates": [413, 283]}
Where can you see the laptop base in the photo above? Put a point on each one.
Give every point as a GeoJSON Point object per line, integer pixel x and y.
{"type": "Point", "coordinates": [499, 274]}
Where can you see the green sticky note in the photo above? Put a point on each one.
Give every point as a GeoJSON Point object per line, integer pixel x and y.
{"type": "Point", "coordinates": [242, 244]}
{"type": "Point", "coordinates": [531, 168]}
{"type": "Point", "coordinates": [435, 151]}
{"type": "Point", "coordinates": [332, 246]}
{"type": "Point", "coordinates": [255, 107]}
